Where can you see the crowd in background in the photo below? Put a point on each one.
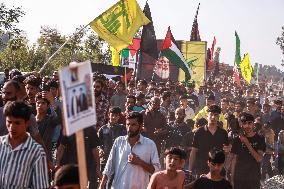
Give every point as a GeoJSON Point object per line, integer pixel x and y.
{"type": "Point", "coordinates": [144, 127]}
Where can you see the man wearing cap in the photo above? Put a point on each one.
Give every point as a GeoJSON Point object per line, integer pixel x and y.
{"type": "Point", "coordinates": [213, 179]}
{"type": "Point", "coordinates": [247, 151]}
{"type": "Point", "coordinates": [205, 139]}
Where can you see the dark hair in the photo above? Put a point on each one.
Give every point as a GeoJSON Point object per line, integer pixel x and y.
{"type": "Point", "coordinates": [131, 96]}
{"type": "Point", "coordinates": [15, 84]}
{"type": "Point", "coordinates": [240, 103]}
{"type": "Point", "coordinates": [166, 95]}
{"type": "Point", "coordinates": [183, 97]}
{"type": "Point", "coordinates": [176, 151]}
{"type": "Point", "coordinates": [214, 108]}
{"type": "Point", "coordinates": [225, 100]}
{"type": "Point", "coordinates": [152, 83]}
{"type": "Point", "coordinates": [18, 110]}
{"type": "Point", "coordinates": [140, 96]}
{"type": "Point", "coordinates": [143, 82]}
{"type": "Point", "coordinates": [266, 105]}
{"type": "Point", "coordinates": [246, 117]}
{"type": "Point", "coordinates": [278, 102]}
{"type": "Point", "coordinates": [216, 156]}
{"type": "Point", "coordinates": [33, 81]}
{"type": "Point", "coordinates": [251, 101]}
{"type": "Point", "coordinates": [211, 97]}
{"type": "Point", "coordinates": [66, 175]}
{"type": "Point", "coordinates": [39, 95]}
{"type": "Point", "coordinates": [100, 82]}
{"type": "Point", "coordinates": [19, 78]}
{"type": "Point", "coordinates": [135, 115]}
{"type": "Point", "coordinates": [115, 110]}
{"type": "Point", "coordinates": [14, 72]}
{"type": "Point", "coordinates": [201, 122]}
{"type": "Point", "coordinates": [53, 83]}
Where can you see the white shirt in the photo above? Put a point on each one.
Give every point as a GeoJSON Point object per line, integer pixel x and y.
{"type": "Point", "coordinates": [127, 175]}
{"type": "Point", "coordinates": [189, 113]}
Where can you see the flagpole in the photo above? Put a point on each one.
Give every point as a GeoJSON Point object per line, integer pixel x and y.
{"type": "Point", "coordinates": [136, 67]}
{"type": "Point", "coordinates": [68, 40]}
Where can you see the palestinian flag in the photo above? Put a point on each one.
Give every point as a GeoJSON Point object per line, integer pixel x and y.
{"type": "Point", "coordinates": [171, 52]}
{"type": "Point", "coordinates": [129, 55]}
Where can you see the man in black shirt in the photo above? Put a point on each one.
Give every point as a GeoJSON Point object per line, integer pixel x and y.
{"type": "Point", "coordinates": [205, 139]}
{"type": "Point", "coordinates": [247, 150]}
{"type": "Point", "coordinates": [212, 180]}
{"type": "Point", "coordinates": [67, 154]}
{"type": "Point", "coordinates": [108, 133]}
{"type": "Point", "coordinates": [177, 130]}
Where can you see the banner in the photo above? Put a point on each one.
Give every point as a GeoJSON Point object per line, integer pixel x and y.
{"type": "Point", "coordinates": [195, 54]}
{"type": "Point", "coordinates": [78, 97]}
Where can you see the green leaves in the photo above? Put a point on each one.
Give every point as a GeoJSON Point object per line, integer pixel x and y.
{"type": "Point", "coordinates": [85, 45]}
{"type": "Point", "coordinates": [9, 18]}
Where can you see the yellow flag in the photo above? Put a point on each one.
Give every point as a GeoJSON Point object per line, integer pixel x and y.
{"type": "Point", "coordinates": [119, 24]}
{"type": "Point", "coordinates": [195, 54]}
{"type": "Point", "coordinates": [114, 56]}
{"type": "Point", "coordinates": [246, 68]}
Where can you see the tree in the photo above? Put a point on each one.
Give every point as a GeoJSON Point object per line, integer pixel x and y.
{"type": "Point", "coordinates": [9, 18]}
{"type": "Point", "coordinates": [280, 42]}
{"type": "Point", "coordinates": [84, 45]}
{"type": "Point", "coordinates": [17, 54]}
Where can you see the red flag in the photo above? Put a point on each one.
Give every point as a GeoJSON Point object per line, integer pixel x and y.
{"type": "Point", "coordinates": [236, 75]}
{"type": "Point", "coordinates": [212, 53]}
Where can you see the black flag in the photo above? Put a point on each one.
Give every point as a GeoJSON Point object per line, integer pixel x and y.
{"type": "Point", "coordinates": [148, 43]}
{"type": "Point", "coordinates": [194, 30]}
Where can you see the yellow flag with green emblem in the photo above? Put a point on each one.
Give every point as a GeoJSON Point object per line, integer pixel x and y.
{"type": "Point", "coordinates": [119, 24]}
{"type": "Point", "coordinates": [114, 56]}
{"type": "Point", "coordinates": [246, 68]}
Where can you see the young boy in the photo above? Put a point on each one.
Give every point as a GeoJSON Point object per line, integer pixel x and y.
{"type": "Point", "coordinates": [213, 179]}
{"type": "Point", "coordinates": [23, 161]}
{"type": "Point", "coordinates": [171, 177]}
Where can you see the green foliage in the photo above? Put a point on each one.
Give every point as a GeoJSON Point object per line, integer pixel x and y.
{"type": "Point", "coordinates": [280, 42]}
{"type": "Point", "coordinates": [9, 18]}
{"type": "Point", "coordinates": [84, 45]}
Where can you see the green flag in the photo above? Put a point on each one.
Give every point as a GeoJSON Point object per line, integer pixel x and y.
{"type": "Point", "coordinates": [238, 50]}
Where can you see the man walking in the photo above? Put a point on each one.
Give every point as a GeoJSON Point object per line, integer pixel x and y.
{"type": "Point", "coordinates": [133, 158]}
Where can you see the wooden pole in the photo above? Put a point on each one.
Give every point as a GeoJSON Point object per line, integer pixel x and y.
{"type": "Point", "coordinates": [125, 75]}
{"type": "Point", "coordinates": [81, 156]}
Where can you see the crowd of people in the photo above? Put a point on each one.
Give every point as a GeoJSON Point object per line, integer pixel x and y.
{"type": "Point", "coordinates": [148, 134]}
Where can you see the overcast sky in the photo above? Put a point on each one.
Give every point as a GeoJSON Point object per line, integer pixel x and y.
{"type": "Point", "coordinates": [258, 22]}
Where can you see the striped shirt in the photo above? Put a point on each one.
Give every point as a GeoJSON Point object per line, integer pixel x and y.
{"type": "Point", "coordinates": [23, 167]}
